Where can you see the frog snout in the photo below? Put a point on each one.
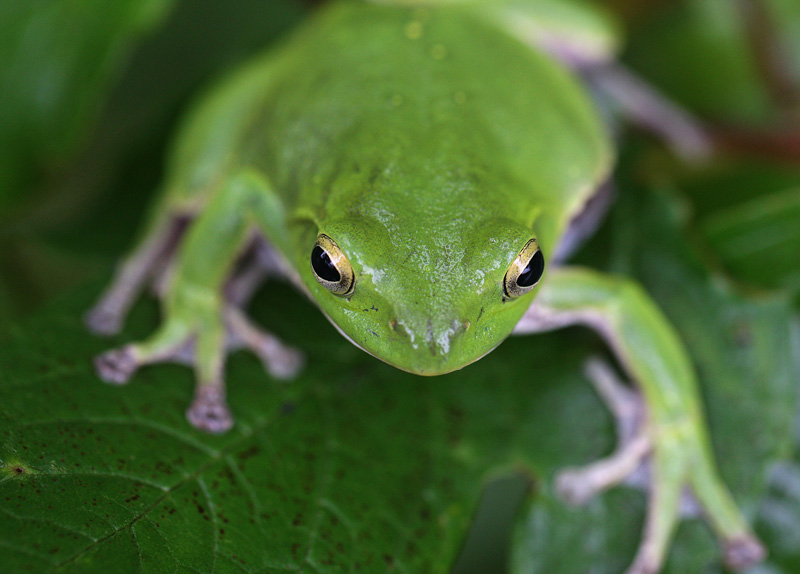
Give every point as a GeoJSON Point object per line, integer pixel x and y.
{"type": "Point", "coordinates": [430, 346]}
{"type": "Point", "coordinates": [438, 339]}
{"type": "Point", "coordinates": [435, 337]}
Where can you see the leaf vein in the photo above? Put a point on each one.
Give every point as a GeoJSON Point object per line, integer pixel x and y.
{"type": "Point", "coordinates": [215, 457]}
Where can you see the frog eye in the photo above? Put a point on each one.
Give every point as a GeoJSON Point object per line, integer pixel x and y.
{"type": "Point", "coordinates": [525, 272]}
{"type": "Point", "coordinates": [331, 268]}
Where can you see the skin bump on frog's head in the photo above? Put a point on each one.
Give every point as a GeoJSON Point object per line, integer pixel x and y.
{"type": "Point", "coordinates": [427, 303]}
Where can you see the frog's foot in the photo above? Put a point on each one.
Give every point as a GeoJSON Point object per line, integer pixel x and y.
{"type": "Point", "coordinates": [196, 338]}
{"type": "Point", "coordinates": [203, 343]}
{"type": "Point", "coordinates": [209, 411]}
{"type": "Point", "coordinates": [743, 552]}
{"type": "Point", "coordinates": [117, 365]}
{"type": "Point", "coordinates": [671, 461]}
{"type": "Point", "coordinates": [280, 361]}
{"type": "Point", "coordinates": [577, 486]}
{"type": "Point", "coordinates": [104, 320]}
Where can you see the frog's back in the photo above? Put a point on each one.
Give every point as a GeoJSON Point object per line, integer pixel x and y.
{"type": "Point", "coordinates": [436, 101]}
{"type": "Point", "coordinates": [384, 108]}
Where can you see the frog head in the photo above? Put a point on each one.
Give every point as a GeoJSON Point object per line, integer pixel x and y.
{"type": "Point", "coordinates": [426, 299]}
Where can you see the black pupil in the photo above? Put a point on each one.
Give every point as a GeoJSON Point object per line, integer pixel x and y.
{"type": "Point", "coordinates": [532, 272]}
{"type": "Point", "coordinates": [323, 266]}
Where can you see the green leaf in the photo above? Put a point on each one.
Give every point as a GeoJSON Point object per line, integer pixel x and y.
{"type": "Point", "coordinates": [758, 240]}
{"type": "Point", "coordinates": [58, 59]}
{"type": "Point", "coordinates": [355, 464]}
{"type": "Point", "coordinates": [785, 16]}
{"type": "Point", "coordinates": [697, 51]}
{"type": "Point", "coordinates": [67, 212]}
{"type": "Point", "coordinates": [747, 213]}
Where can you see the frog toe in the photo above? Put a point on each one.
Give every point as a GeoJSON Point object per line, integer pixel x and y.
{"type": "Point", "coordinates": [285, 363]}
{"type": "Point", "coordinates": [578, 485]}
{"type": "Point", "coordinates": [103, 321]}
{"type": "Point", "coordinates": [643, 568]}
{"type": "Point", "coordinates": [209, 411]}
{"type": "Point", "coordinates": [743, 552]}
{"type": "Point", "coordinates": [573, 488]}
{"type": "Point", "coordinates": [117, 365]}
{"type": "Point", "coordinates": [280, 361]}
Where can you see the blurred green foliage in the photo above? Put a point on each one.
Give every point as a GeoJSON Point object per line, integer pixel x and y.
{"type": "Point", "coordinates": [59, 59]}
{"type": "Point", "coordinates": [737, 66]}
{"type": "Point", "coordinates": [84, 196]}
{"type": "Point", "coordinates": [370, 466]}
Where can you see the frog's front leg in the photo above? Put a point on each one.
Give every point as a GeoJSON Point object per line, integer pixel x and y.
{"type": "Point", "coordinates": [670, 432]}
{"type": "Point", "coordinates": [200, 324]}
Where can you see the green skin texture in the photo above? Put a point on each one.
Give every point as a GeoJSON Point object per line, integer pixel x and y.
{"type": "Point", "coordinates": [434, 159]}
{"type": "Point", "coordinates": [431, 145]}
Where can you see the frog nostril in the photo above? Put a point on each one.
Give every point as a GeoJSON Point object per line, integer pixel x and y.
{"type": "Point", "coordinates": [457, 326]}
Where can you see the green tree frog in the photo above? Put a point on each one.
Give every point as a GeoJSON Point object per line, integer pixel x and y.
{"type": "Point", "coordinates": [420, 170]}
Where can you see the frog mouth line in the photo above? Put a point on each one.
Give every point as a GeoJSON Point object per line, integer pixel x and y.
{"type": "Point", "coordinates": [295, 279]}
{"type": "Point", "coordinates": [421, 374]}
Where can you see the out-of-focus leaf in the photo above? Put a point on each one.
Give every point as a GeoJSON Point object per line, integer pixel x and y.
{"type": "Point", "coordinates": [779, 516]}
{"type": "Point", "coordinates": [785, 16]}
{"type": "Point", "coordinates": [56, 62]}
{"type": "Point", "coordinates": [698, 52]}
{"type": "Point", "coordinates": [746, 212]}
{"type": "Point", "coordinates": [759, 241]}
{"type": "Point", "coordinates": [731, 181]}
{"type": "Point", "coordinates": [200, 41]}
{"type": "Point", "coordinates": [72, 212]}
